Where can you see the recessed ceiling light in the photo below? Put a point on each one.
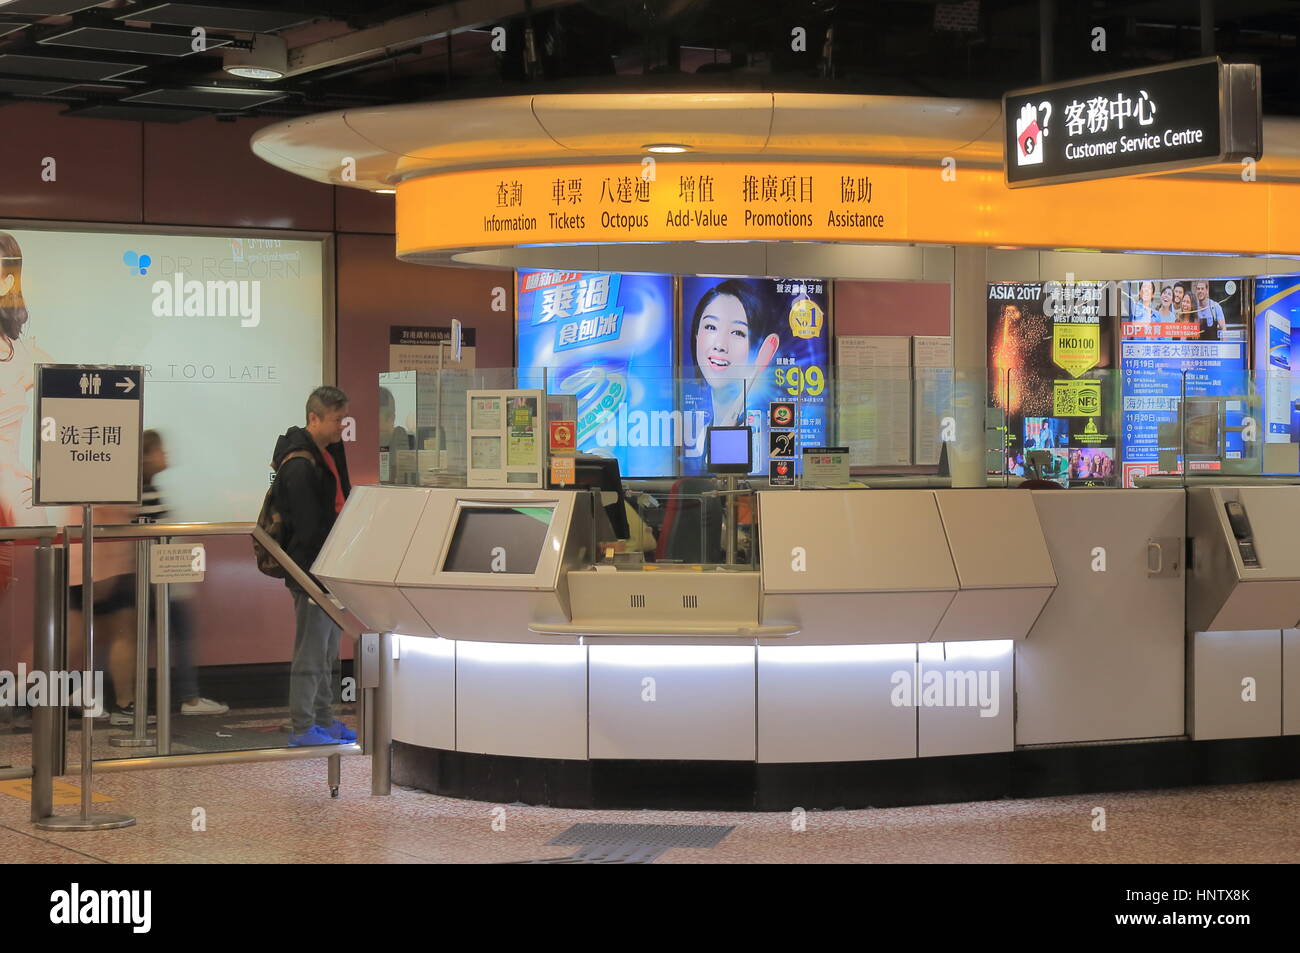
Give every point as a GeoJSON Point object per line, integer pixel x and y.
{"type": "Point", "coordinates": [385, 191]}
{"type": "Point", "coordinates": [254, 72]}
{"type": "Point", "coordinates": [666, 147]}
{"type": "Point", "coordinates": [267, 59]}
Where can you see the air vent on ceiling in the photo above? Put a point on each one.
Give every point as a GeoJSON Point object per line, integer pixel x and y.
{"type": "Point", "coordinates": [205, 97]}
{"type": "Point", "coordinates": [690, 602]}
{"type": "Point", "coordinates": [149, 42]}
{"type": "Point", "coordinates": [17, 64]}
{"type": "Point", "coordinates": [234, 19]}
{"type": "Point", "coordinates": [638, 602]}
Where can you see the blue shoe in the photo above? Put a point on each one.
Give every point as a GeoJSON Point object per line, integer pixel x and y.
{"type": "Point", "coordinates": [340, 732]}
{"type": "Point", "coordinates": [315, 735]}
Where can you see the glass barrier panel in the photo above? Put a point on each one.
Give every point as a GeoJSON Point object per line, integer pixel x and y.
{"type": "Point", "coordinates": [235, 681]}
{"type": "Point", "coordinates": [15, 720]}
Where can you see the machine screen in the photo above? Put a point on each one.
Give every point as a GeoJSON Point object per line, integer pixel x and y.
{"type": "Point", "coordinates": [729, 449]}
{"type": "Point", "coordinates": [498, 539]}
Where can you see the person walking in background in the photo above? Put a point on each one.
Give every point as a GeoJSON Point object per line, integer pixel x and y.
{"type": "Point", "coordinates": [311, 485]}
{"type": "Point", "coordinates": [153, 510]}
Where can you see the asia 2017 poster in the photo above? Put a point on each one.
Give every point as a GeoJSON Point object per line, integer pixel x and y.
{"type": "Point", "coordinates": [747, 342]}
{"type": "Point", "coordinates": [607, 339]}
{"type": "Point", "coordinates": [1049, 346]}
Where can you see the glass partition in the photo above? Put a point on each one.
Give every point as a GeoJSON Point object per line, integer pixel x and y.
{"type": "Point", "coordinates": [889, 425]}
{"type": "Point", "coordinates": [234, 684]}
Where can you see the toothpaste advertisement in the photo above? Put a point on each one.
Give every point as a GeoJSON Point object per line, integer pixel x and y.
{"type": "Point", "coordinates": [747, 342]}
{"type": "Point", "coordinates": [1182, 340]}
{"type": "Point", "coordinates": [607, 338]}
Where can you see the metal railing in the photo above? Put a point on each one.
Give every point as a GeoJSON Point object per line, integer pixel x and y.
{"type": "Point", "coordinates": [372, 665]}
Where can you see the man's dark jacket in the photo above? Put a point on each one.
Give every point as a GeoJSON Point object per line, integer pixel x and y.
{"type": "Point", "coordinates": [304, 494]}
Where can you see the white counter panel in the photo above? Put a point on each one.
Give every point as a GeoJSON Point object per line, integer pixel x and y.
{"type": "Point", "coordinates": [424, 692]}
{"type": "Point", "coordinates": [1220, 662]}
{"type": "Point", "coordinates": [1291, 681]}
{"type": "Point", "coordinates": [832, 703]}
{"type": "Point", "coordinates": [702, 705]}
{"type": "Point", "coordinates": [528, 701]}
{"type": "Point", "coordinates": [976, 710]}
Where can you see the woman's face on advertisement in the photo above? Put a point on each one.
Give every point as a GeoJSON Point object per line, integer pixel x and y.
{"type": "Point", "coordinates": [1166, 297]}
{"type": "Point", "coordinates": [1147, 291]}
{"type": "Point", "coordinates": [722, 341]}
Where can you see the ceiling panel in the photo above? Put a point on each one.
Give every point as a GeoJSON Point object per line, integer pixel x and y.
{"type": "Point", "coordinates": [7, 27]}
{"type": "Point", "coordinates": [116, 40]}
{"type": "Point", "coordinates": [46, 8]}
{"type": "Point", "coordinates": [134, 113]}
{"type": "Point", "coordinates": [63, 68]}
{"type": "Point", "coordinates": [205, 97]}
{"type": "Point", "coordinates": [234, 19]}
{"type": "Point", "coordinates": [30, 87]}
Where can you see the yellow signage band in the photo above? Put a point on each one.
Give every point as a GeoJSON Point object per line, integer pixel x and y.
{"type": "Point", "coordinates": [681, 200]}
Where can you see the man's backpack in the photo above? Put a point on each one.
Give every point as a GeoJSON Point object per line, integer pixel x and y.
{"type": "Point", "coordinates": [273, 523]}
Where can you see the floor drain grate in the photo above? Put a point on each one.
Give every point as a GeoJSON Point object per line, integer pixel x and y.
{"type": "Point", "coordinates": [631, 843]}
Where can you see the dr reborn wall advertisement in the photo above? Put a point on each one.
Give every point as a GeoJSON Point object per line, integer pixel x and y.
{"type": "Point", "coordinates": [228, 329]}
{"type": "Point", "coordinates": [1049, 351]}
{"type": "Point", "coordinates": [1180, 339]}
{"type": "Point", "coordinates": [607, 338]}
{"type": "Point", "coordinates": [747, 342]}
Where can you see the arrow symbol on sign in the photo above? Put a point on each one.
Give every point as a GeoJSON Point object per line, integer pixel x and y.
{"type": "Point", "coordinates": [127, 385]}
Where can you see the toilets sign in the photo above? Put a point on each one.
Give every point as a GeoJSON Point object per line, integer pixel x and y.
{"type": "Point", "coordinates": [89, 421]}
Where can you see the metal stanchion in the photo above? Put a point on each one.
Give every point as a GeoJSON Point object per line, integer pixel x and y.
{"type": "Point", "coordinates": [139, 737]}
{"type": "Point", "coordinates": [335, 774]}
{"type": "Point", "coordinates": [376, 682]}
{"type": "Point", "coordinates": [87, 821]}
{"type": "Point", "coordinates": [163, 641]}
{"type": "Point", "coordinates": [46, 655]}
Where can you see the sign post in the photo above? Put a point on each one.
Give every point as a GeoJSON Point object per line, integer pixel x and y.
{"type": "Point", "coordinates": [1192, 113]}
{"type": "Point", "coordinates": [89, 423]}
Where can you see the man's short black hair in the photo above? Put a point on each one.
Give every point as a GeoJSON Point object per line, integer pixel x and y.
{"type": "Point", "coordinates": [325, 399]}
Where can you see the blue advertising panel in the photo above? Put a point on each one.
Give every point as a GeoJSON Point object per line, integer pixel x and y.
{"type": "Point", "coordinates": [1277, 330]}
{"type": "Point", "coordinates": [747, 342]}
{"type": "Point", "coordinates": [1181, 340]}
{"type": "Point", "coordinates": [606, 338]}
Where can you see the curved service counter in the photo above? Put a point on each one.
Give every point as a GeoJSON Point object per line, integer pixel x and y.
{"type": "Point", "coordinates": [890, 646]}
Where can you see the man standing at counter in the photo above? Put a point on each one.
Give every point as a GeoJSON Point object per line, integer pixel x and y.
{"type": "Point", "coordinates": [311, 483]}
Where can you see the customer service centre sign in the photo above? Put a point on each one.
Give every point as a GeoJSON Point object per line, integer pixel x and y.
{"type": "Point", "coordinates": [1193, 113]}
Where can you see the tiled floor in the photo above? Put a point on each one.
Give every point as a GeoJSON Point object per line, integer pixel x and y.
{"type": "Point", "coordinates": [283, 813]}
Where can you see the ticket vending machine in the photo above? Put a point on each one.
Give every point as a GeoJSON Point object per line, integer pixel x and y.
{"type": "Point", "coordinates": [1243, 607]}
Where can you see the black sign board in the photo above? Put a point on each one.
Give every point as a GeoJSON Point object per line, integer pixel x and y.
{"type": "Point", "coordinates": [1186, 114]}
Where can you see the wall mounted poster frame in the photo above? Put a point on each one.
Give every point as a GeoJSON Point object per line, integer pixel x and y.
{"type": "Point", "coordinates": [506, 431]}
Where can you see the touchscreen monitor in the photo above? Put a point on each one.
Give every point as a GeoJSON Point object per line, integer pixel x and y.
{"type": "Point", "coordinates": [498, 538]}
